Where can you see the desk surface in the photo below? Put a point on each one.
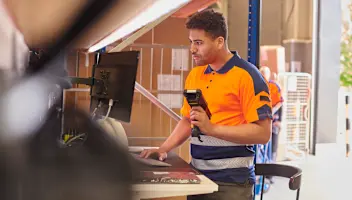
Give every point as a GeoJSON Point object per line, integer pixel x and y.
{"type": "Point", "coordinates": [147, 191]}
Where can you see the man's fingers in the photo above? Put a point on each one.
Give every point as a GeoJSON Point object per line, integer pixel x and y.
{"type": "Point", "coordinates": [142, 154]}
{"type": "Point", "coordinates": [146, 154]}
{"type": "Point", "coordinates": [197, 108]}
{"type": "Point", "coordinates": [193, 112]}
{"type": "Point", "coordinates": [195, 123]}
{"type": "Point", "coordinates": [162, 156]}
{"type": "Point", "coordinates": [195, 117]}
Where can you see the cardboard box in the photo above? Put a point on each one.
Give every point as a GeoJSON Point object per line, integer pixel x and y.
{"type": "Point", "coordinates": [298, 55]}
{"type": "Point", "coordinates": [273, 56]}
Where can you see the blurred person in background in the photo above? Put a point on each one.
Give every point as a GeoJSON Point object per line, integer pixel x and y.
{"type": "Point", "coordinates": [277, 100]}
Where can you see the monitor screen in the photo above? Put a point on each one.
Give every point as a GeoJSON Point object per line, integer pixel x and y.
{"type": "Point", "coordinates": [114, 80]}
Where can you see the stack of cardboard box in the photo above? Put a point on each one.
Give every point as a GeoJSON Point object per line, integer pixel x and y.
{"type": "Point", "coordinates": [273, 57]}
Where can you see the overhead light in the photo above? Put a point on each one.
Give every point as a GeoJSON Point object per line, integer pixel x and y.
{"type": "Point", "coordinates": [152, 13]}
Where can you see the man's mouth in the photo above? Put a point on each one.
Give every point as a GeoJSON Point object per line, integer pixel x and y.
{"type": "Point", "coordinates": [196, 57]}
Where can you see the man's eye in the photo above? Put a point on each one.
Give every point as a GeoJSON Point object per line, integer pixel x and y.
{"type": "Point", "coordinates": [198, 43]}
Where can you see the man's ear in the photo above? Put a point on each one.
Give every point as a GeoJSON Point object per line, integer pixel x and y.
{"type": "Point", "coordinates": [220, 42]}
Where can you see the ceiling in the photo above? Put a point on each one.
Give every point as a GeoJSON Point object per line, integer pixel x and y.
{"type": "Point", "coordinates": [42, 21]}
{"type": "Point", "coordinates": [41, 28]}
{"type": "Point", "coordinates": [193, 7]}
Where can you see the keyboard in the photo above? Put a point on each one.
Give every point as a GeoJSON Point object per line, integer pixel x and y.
{"type": "Point", "coordinates": [169, 177]}
{"type": "Point", "coordinates": [150, 162]}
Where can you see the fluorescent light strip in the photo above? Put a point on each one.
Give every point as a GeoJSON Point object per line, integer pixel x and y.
{"type": "Point", "coordinates": [158, 9]}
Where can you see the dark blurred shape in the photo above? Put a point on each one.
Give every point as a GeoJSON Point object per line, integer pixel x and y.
{"type": "Point", "coordinates": [39, 165]}
{"type": "Point", "coordinates": [55, 69]}
{"type": "Point", "coordinates": [94, 168]}
{"type": "Point", "coordinates": [90, 14]}
{"type": "Point", "coordinates": [34, 56]}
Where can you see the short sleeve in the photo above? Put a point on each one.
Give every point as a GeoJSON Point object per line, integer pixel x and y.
{"type": "Point", "coordinates": [279, 93]}
{"type": "Point", "coordinates": [255, 98]}
{"type": "Point", "coordinates": [186, 109]}
{"type": "Point", "coordinates": [275, 93]}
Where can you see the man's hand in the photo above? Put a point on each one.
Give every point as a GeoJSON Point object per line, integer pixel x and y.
{"type": "Point", "coordinates": [162, 155]}
{"type": "Point", "coordinates": [200, 118]}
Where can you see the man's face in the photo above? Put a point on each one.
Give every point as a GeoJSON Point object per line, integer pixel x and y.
{"type": "Point", "coordinates": [204, 48]}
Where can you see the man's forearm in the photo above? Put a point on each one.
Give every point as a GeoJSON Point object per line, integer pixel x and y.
{"type": "Point", "coordinates": [251, 133]}
{"type": "Point", "coordinates": [180, 134]}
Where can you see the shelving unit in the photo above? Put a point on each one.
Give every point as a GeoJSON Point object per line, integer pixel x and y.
{"type": "Point", "coordinates": [254, 23]}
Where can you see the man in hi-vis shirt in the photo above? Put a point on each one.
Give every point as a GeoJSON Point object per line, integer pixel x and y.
{"type": "Point", "coordinates": [277, 101]}
{"type": "Point", "coordinates": [238, 98]}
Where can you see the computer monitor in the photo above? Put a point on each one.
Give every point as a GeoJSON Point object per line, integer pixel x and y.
{"type": "Point", "coordinates": [114, 76]}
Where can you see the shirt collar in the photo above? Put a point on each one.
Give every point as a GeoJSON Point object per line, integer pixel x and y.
{"type": "Point", "coordinates": [228, 65]}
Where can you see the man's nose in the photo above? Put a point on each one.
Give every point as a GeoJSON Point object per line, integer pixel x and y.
{"type": "Point", "coordinates": [193, 49]}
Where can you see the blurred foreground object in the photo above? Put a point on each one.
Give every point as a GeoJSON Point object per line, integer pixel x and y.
{"type": "Point", "coordinates": [34, 162]}
{"type": "Point", "coordinates": [95, 168]}
{"type": "Point", "coordinates": [55, 17]}
{"type": "Point", "coordinates": [115, 129]}
{"type": "Point", "coordinates": [13, 50]}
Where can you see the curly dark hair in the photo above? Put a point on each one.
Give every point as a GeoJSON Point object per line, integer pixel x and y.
{"type": "Point", "coordinates": [210, 21]}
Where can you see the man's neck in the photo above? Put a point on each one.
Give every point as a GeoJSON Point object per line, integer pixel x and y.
{"type": "Point", "coordinates": [222, 59]}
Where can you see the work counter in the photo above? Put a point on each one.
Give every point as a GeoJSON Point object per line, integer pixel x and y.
{"type": "Point", "coordinates": [150, 190]}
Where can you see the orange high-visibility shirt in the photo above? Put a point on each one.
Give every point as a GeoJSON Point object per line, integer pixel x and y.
{"type": "Point", "coordinates": [275, 93]}
{"type": "Point", "coordinates": [236, 94]}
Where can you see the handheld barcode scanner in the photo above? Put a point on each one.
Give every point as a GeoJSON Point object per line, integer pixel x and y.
{"type": "Point", "coordinates": [195, 98]}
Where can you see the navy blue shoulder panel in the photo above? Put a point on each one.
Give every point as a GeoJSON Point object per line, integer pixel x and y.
{"type": "Point", "coordinates": [258, 80]}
